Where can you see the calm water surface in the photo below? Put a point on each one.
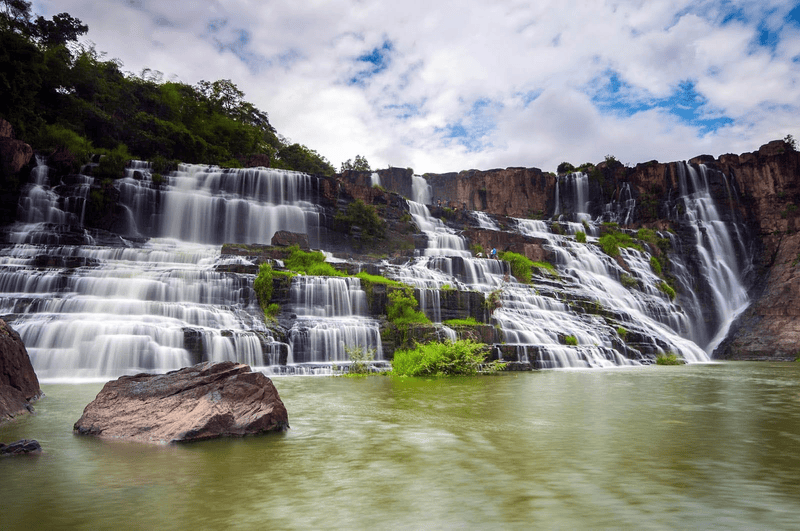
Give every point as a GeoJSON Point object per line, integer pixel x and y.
{"type": "Point", "coordinates": [695, 447]}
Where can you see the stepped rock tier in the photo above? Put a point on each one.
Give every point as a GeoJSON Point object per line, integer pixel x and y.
{"type": "Point", "coordinates": [155, 272]}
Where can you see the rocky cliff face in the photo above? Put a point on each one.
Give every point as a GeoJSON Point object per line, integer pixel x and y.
{"type": "Point", "coordinates": [759, 190]}
{"type": "Point", "coordinates": [769, 181]}
{"type": "Point", "coordinates": [16, 158]}
{"type": "Point", "coordinates": [19, 386]}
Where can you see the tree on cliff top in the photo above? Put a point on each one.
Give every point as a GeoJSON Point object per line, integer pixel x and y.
{"type": "Point", "coordinates": [68, 97]}
{"type": "Point", "coordinates": [360, 164]}
{"type": "Point", "coordinates": [61, 29]}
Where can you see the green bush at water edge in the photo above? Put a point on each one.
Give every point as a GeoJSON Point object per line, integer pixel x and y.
{"type": "Point", "coordinates": [463, 357]}
{"type": "Point", "coordinates": [668, 359]}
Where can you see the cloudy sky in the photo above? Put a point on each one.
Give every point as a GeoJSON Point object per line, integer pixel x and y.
{"type": "Point", "coordinates": [446, 85]}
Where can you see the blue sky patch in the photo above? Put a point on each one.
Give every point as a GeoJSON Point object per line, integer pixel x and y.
{"type": "Point", "coordinates": [472, 131]}
{"type": "Point", "coordinates": [616, 96]}
{"type": "Point", "coordinates": [372, 63]}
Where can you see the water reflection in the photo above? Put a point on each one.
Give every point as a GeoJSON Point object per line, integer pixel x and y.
{"type": "Point", "coordinates": [710, 446]}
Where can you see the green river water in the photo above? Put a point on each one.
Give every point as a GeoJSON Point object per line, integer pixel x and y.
{"type": "Point", "coordinates": [712, 446]}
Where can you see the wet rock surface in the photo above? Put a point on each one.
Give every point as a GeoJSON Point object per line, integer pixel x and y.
{"type": "Point", "coordinates": [24, 446]}
{"type": "Point", "coordinates": [205, 401]}
{"type": "Point", "coordinates": [19, 386]}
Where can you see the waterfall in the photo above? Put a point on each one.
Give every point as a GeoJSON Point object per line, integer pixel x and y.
{"type": "Point", "coordinates": [92, 304]}
{"type": "Point", "coordinates": [207, 204]}
{"type": "Point", "coordinates": [572, 190]}
{"type": "Point", "coordinates": [95, 311]}
{"type": "Point", "coordinates": [718, 245]}
{"type": "Point", "coordinates": [331, 318]}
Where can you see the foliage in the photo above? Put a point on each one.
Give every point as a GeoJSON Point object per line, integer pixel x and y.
{"type": "Point", "coordinates": [469, 321]}
{"type": "Point", "coordinates": [790, 142]}
{"type": "Point", "coordinates": [647, 235]}
{"type": "Point", "coordinates": [476, 249]}
{"type": "Point", "coordinates": [546, 266]}
{"type": "Point", "coordinates": [56, 136]}
{"type": "Point", "coordinates": [310, 263]}
{"type": "Point", "coordinates": [112, 164]}
{"type": "Point", "coordinates": [377, 279]}
{"type": "Point", "coordinates": [360, 358]}
{"type": "Point", "coordinates": [360, 164]}
{"type": "Point", "coordinates": [272, 310]}
{"type": "Point", "coordinates": [262, 285]}
{"type": "Point", "coordinates": [580, 237]}
{"type": "Point", "coordinates": [521, 266]}
{"type": "Point", "coordinates": [364, 216]}
{"type": "Point", "coordinates": [302, 158]}
{"type": "Point", "coordinates": [622, 333]}
{"type": "Point", "coordinates": [402, 309]}
{"type": "Point", "coordinates": [47, 80]}
{"type": "Point", "coordinates": [160, 164]}
{"type": "Point", "coordinates": [611, 242]}
{"type": "Point", "coordinates": [571, 341]}
{"type": "Point", "coordinates": [555, 228]}
{"type": "Point", "coordinates": [492, 301]}
{"type": "Point", "coordinates": [669, 290]}
{"type": "Point", "coordinates": [656, 265]}
{"type": "Point", "coordinates": [628, 281]}
{"type": "Point", "coordinates": [668, 359]}
{"type": "Point", "coordinates": [565, 167]}
{"type": "Point", "coordinates": [463, 357]}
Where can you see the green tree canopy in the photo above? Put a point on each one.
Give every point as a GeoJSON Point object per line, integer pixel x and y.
{"type": "Point", "coordinates": [53, 93]}
{"type": "Point", "coordinates": [360, 164]}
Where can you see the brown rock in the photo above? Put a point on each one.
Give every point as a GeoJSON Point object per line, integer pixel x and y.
{"type": "Point", "coordinates": [204, 401]}
{"type": "Point", "coordinates": [19, 385]}
{"type": "Point", "coordinates": [257, 160]}
{"type": "Point", "coordinates": [14, 155]}
{"type": "Point", "coordinates": [6, 131]}
{"type": "Point", "coordinates": [284, 238]}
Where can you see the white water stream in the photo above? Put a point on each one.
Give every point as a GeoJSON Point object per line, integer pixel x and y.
{"type": "Point", "coordinates": [161, 299]}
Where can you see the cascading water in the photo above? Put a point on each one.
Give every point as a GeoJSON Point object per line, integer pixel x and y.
{"type": "Point", "coordinates": [160, 296]}
{"type": "Point", "coordinates": [212, 205]}
{"type": "Point", "coordinates": [331, 319]}
{"type": "Point", "coordinates": [92, 311]}
{"type": "Point", "coordinates": [536, 322]}
{"type": "Point", "coordinates": [719, 246]}
{"type": "Point", "coordinates": [572, 191]}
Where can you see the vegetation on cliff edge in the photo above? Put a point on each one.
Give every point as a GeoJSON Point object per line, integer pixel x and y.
{"type": "Point", "coordinates": [58, 94]}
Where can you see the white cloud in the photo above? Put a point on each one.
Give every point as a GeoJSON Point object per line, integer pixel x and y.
{"type": "Point", "coordinates": [295, 60]}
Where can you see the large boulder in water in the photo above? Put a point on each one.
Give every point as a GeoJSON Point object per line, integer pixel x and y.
{"type": "Point", "coordinates": [204, 401]}
{"type": "Point", "coordinates": [19, 385]}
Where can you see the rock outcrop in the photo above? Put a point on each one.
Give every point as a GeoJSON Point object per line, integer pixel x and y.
{"type": "Point", "coordinates": [769, 180]}
{"type": "Point", "coordinates": [16, 159]}
{"type": "Point", "coordinates": [14, 154]}
{"type": "Point", "coordinates": [19, 386]}
{"type": "Point", "coordinates": [205, 401]}
{"type": "Point", "coordinates": [24, 446]}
